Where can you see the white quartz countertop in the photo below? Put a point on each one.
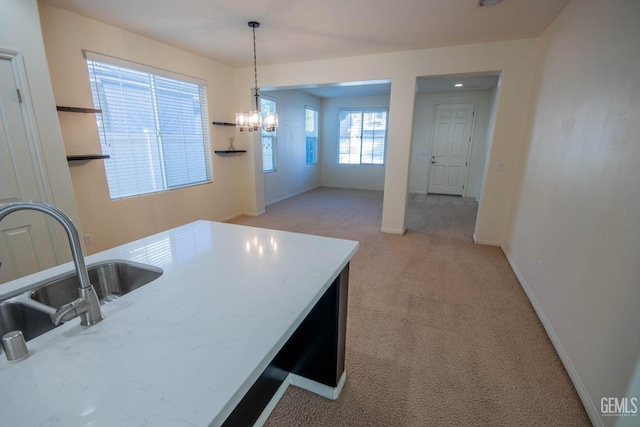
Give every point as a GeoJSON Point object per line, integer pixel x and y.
{"type": "Point", "coordinates": [183, 349]}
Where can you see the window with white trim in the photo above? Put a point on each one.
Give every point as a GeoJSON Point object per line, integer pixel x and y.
{"type": "Point", "coordinates": [363, 135]}
{"type": "Point", "coordinates": [311, 131]}
{"type": "Point", "coordinates": [154, 127]}
{"type": "Point", "coordinates": [269, 140]}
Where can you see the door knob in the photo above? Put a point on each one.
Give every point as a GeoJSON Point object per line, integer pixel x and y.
{"type": "Point", "coordinates": [433, 161]}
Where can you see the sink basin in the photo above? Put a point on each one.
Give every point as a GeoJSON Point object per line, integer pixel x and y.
{"type": "Point", "coordinates": [15, 316]}
{"type": "Point", "coordinates": [110, 279]}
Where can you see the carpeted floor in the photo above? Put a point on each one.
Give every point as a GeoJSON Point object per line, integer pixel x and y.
{"type": "Point", "coordinates": [439, 331]}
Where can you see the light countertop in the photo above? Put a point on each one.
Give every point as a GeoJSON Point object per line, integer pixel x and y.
{"type": "Point", "coordinates": [183, 349]}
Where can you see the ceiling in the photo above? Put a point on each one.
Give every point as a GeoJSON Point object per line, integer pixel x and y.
{"type": "Point", "coordinates": [348, 89]}
{"type": "Point", "coordinates": [299, 30]}
{"type": "Point", "coordinates": [447, 83]}
{"type": "Point", "coordinates": [383, 87]}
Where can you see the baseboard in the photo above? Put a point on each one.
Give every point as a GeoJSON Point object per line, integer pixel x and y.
{"type": "Point", "coordinates": [590, 406]}
{"type": "Point", "coordinates": [291, 195]}
{"type": "Point", "coordinates": [229, 217]}
{"type": "Point", "coordinates": [273, 402]}
{"type": "Point", "coordinates": [349, 187]}
{"type": "Point", "coordinates": [320, 389]}
{"type": "Point", "coordinates": [237, 214]}
{"type": "Point", "coordinates": [303, 383]}
{"type": "Point", "coordinates": [487, 242]}
{"type": "Point", "coordinates": [393, 230]}
{"type": "Point", "coordinates": [254, 213]}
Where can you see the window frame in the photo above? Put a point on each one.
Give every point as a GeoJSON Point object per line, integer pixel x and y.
{"type": "Point", "coordinates": [272, 135]}
{"type": "Point", "coordinates": [316, 136]}
{"type": "Point", "coordinates": [362, 112]}
{"type": "Point", "coordinates": [162, 86]}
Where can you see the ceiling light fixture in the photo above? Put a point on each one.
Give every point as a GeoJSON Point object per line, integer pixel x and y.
{"type": "Point", "coordinates": [252, 120]}
{"type": "Point", "coordinates": [458, 85]}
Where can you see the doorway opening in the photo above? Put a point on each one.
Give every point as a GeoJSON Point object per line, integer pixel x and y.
{"type": "Point", "coordinates": [312, 154]}
{"type": "Point", "coordinates": [452, 131]}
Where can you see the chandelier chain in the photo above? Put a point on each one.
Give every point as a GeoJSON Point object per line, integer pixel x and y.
{"type": "Point", "coordinates": [255, 68]}
{"type": "Point", "coordinates": [253, 120]}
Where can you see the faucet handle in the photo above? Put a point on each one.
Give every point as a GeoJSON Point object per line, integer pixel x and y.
{"type": "Point", "coordinates": [70, 311]}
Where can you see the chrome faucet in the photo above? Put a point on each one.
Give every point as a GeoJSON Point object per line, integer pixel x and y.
{"type": "Point", "coordinates": [87, 305]}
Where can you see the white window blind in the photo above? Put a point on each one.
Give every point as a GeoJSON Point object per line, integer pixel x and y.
{"type": "Point", "coordinates": [269, 148]}
{"type": "Point", "coordinates": [153, 126]}
{"type": "Point", "coordinates": [363, 135]}
{"type": "Point", "coordinates": [311, 131]}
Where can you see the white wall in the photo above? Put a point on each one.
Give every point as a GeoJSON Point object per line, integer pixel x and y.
{"type": "Point", "coordinates": [333, 174]}
{"type": "Point", "coordinates": [491, 122]}
{"type": "Point", "coordinates": [20, 31]}
{"type": "Point", "coordinates": [115, 222]}
{"type": "Point", "coordinates": [293, 176]}
{"type": "Point", "coordinates": [422, 139]}
{"type": "Point", "coordinates": [574, 235]}
{"type": "Point", "coordinates": [514, 59]}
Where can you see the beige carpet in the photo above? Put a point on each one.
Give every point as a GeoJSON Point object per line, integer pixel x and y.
{"type": "Point", "coordinates": [439, 332]}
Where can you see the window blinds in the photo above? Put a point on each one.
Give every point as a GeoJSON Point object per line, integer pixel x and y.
{"type": "Point", "coordinates": [153, 126]}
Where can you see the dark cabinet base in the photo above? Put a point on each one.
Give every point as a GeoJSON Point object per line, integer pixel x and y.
{"type": "Point", "coordinates": [315, 352]}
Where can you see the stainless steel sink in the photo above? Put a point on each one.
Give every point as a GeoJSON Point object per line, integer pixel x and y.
{"type": "Point", "coordinates": [15, 316]}
{"type": "Point", "coordinates": [30, 311]}
{"type": "Point", "coordinates": [111, 280]}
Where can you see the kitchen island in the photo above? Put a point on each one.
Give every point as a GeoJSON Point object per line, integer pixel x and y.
{"type": "Point", "coordinates": [237, 315]}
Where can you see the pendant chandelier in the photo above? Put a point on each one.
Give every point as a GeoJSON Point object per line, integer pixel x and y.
{"type": "Point", "coordinates": [253, 120]}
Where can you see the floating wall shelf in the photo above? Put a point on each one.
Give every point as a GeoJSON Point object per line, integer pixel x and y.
{"type": "Point", "coordinates": [82, 157]}
{"type": "Point", "coordinates": [77, 109]}
{"type": "Point", "coordinates": [87, 157]}
{"type": "Point", "coordinates": [229, 152]}
{"type": "Point", "coordinates": [224, 124]}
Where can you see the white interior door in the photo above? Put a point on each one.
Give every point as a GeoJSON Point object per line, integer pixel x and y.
{"type": "Point", "coordinates": [26, 244]}
{"type": "Point", "coordinates": [450, 148]}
